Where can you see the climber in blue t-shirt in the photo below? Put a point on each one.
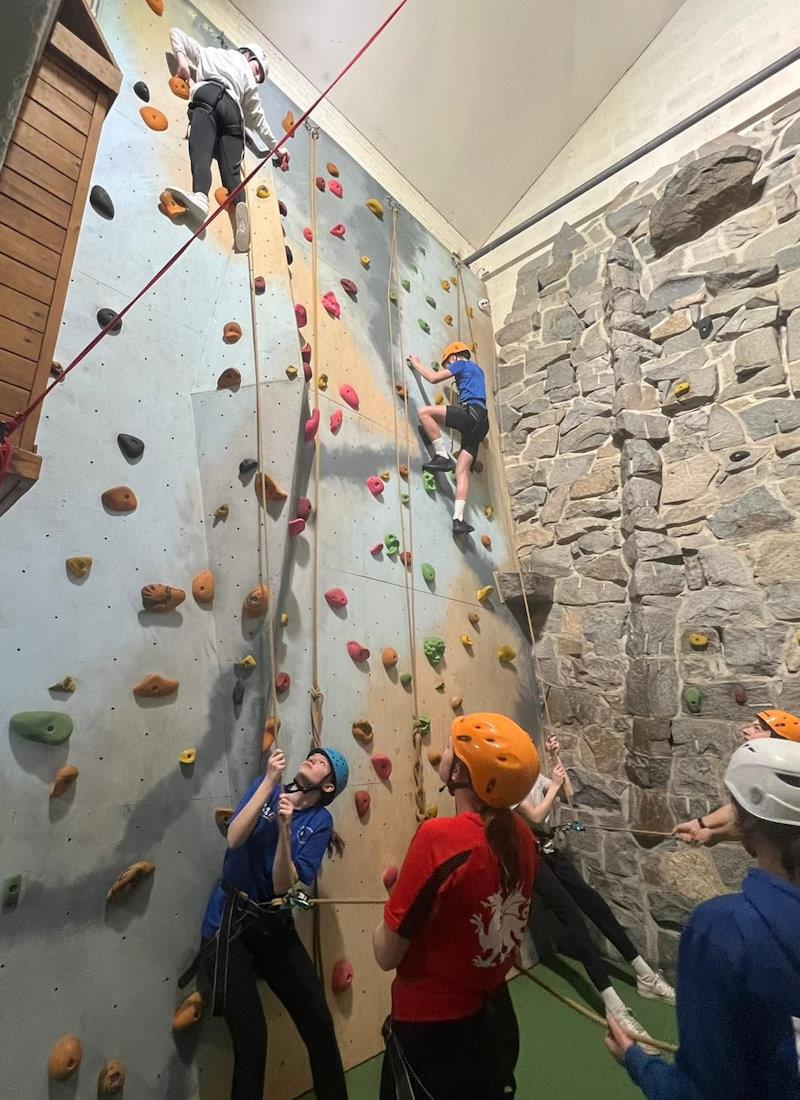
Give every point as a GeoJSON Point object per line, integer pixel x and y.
{"type": "Point", "coordinates": [469, 417]}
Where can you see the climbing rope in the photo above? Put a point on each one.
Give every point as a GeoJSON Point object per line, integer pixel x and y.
{"type": "Point", "coordinates": [316, 696]}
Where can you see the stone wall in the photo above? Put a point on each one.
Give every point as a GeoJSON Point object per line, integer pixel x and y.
{"type": "Point", "coordinates": [647, 393]}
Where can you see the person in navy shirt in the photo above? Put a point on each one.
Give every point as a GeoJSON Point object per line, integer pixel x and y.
{"type": "Point", "coordinates": [469, 417]}
{"type": "Point", "coordinates": [277, 838]}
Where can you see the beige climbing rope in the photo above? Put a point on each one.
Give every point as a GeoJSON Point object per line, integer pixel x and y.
{"type": "Point", "coordinates": [315, 693]}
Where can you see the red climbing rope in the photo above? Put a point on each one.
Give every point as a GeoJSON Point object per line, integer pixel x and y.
{"type": "Point", "coordinates": [13, 425]}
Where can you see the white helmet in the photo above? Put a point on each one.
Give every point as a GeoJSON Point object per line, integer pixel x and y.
{"type": "Point", "coordinates": [764, 778]}
{"type": "Point", "coordinates": [259, 54]}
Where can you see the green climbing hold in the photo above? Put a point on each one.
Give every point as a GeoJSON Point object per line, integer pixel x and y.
{"type": "Point", "coordinates": [428, 573]}
{"type": "Point", "coordinates": [424, 326]}
{"type": "Point", "coordinates": [11, 891]}
{"type": "Point", "coordinates": [405, 679]}
{"type": "Point", "coordinates": [431, 301]}
{"type": "Point", "coordinates": [422, 725]}
{"type": "Point", "coordinates": [429, 481]}
{"type": "Point", "coordinates": [434, 649]}
{"type": "Point", "coordinates": [405, 284]}
{"type": "Point", "coordinates": [404, 498]}
{"type": "Point", "coordinates": [391, 544]}
{"type": "Point", "coordinates": [415, 269]}
{"type": "Point", "coordinates": [692, 699]}
{"type": "Point", "coordinates": [393, 296]}
{"type": "Point", "coordinates": [48, 726]}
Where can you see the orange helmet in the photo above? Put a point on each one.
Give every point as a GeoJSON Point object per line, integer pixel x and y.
{"type": "Point", "coordinates": [501, 759]}
{"type": "Point", "coordinates": [781, 723]}
{"type": "Point", "coordinates": [455, 348]}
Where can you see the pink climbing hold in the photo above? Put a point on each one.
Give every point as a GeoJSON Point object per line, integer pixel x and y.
{"type": "Point", "coordinates": [358, 652]}
{"type": "Point", "coordinates": [282, 681]}
{"type": "Point", "coordinates": [312, 426]}
{"type": "Point", "coordinates": [349, 396]}
{"type": "Point", "coordinates": [305, 352]}
{"type": "Point", "coordinates": [303, 509]}
{"type": "Point", "coordinates": [308, 373]}
{"type": "Point", "coordinates": [376, 549]}
{"type": "Point", "coordinates": [390, 878]}
{"type": "Point", "coordinates": [349, 287]}
{"type": "Point", "coordinates": [336, 420]}
{"type": "Point", "coordinates": [309, 236]}
{"type": "Point", "coordinates": [335, 188]}
{"type": "Point", "coordinates": [375, 485]}
{"type": "Point", "coordinates": [338, 231]}
{"type": "Point", "coordinates": [296, 527]}
{"type": "Point", "coordinates": [300, 315]}
{"type": "Point", "coordinates": [382, 765]}
{"type": "Point", "coordinates": [341, 976]}
{"type": "Point", "coordinates": [259, 284]}
{"type": "Point", "coordinates": [336, 597]}
{"type": "Point", "coordinates": [363, 800]}
{"type": "Point", "coordinates": [332, 307]}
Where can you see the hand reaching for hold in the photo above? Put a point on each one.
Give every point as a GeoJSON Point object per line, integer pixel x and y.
{"type": "Point", "coordinates": [414, 362]}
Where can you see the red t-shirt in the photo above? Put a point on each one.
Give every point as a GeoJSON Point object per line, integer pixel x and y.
{"type": "Point", "coordinates": [448, 902]}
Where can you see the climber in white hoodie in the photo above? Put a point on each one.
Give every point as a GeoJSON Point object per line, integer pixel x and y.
{"type": "Point", "coordinates": [224, 101]}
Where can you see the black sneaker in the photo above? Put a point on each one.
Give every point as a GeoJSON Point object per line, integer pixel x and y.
{"type": "Point", "coordinates": [439, 464]}
{"type": "Point", "coordinates": [461, 528]}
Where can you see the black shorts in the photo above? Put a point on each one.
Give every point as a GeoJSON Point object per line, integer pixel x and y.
{"type": "Point", "coordinates": [472, 421]}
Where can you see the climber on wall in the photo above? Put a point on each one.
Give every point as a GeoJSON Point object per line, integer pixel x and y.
{"type": "Point", "coordinates": [469, 417]}
{"type": "Point", "coordinates": [561, 887]}
{"type": "Point", "coordinates": [454, 921]}
{"type": "Point", "coordinates": [721, 824]}
{"type": "Point", "coordinates": [224, 101]}
{"type": "Point", "coordinates": [739, 959]}
{"type": "Point", "coordinates": [277, 838]}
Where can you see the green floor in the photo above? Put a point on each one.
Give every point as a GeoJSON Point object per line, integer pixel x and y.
{"type": "Point", "coordinates": [562, 1055]}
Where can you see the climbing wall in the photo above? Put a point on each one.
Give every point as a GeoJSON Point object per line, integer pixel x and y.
{"type": "Point", "coordinates": [68, 961]}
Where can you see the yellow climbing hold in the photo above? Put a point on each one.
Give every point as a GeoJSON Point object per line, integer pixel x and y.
{"type": "Point", "coordinates": [438, 398]}
{"type": "Point", "coordinates": [681, 388]}
{"type": "Point", "coordinates": [454, 280]}
{"type": "Point", "coordinates": [376, 207]}
{"type": "Point", "coordinates": [470, 312]}
{"type": "Point", "coordinates": [284, 619]}
{"type": "Point", "coordinates": [262, 191]}
{"type": "Point", "coordinates": [365, 262]}
{"type": "Point", "coordinates": [448, 318]}
{"type": "Point", "coordinates": [291, 372]}
{"type": "Point", "coordinates": [698, 641]}
{"type": "Point", "coordinates": [484, 593]}
{"type": "Point", "coordinates": [322, 381]}
{"type": "Point", "coordinates": [247, 662]}
{"type": "Point", "coordinates": [466, 641]}
{"type": "Point", "coordinates": [445, 285]}
{"type": "Point", "coordinates": [188, 756]}
{"type": "Point", "coordinates": [439, 685]}
{"type": "Point", "coordinates": [384, 475]}
{"type": "Point", "coordinates": [506, 653]}
{"type": "Point", "coordinates": [456, 702]}
{"type": "Point", "coordinates": [488, 511]}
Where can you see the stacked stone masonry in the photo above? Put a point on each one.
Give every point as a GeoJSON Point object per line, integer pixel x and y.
{"type": "Point", "coordinates": [648, 381]}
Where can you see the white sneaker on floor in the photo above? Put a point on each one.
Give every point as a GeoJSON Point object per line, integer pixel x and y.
{"type": "Point", "coordinates": [196, 202]}
{"type": "Point", "coordinates": [655, 988]}
{"type": "Point", "coordinates": [626, 1019]}
{"type": "Point", "coordinates": [241, 235]}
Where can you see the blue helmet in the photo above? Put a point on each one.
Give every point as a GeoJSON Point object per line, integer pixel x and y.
{"type": "Point", "coordinates": [340, 770]}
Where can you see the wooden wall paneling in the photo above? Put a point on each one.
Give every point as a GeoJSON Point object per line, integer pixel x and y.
{"type": "Point", "coordinates": [54, 101]}
{"type": "Point", "coordinates": [19, 307]}
{"type": "Point", "coordinates": [16, 273]}
{"type": "Point", "coordinates": [39, 173]}
{"type": "Point", "coordinates": [46, 123]}
{"type": "Point", "coordinates": [66, 83]}
{"type": "Point", "coordinates": [30, 224]}
{"type": "Point", "coordinates": [19, 189]}
{"type": "Point", "coordinates": [40, 145]}
{"type": "Point", "coordinates": [17, 370]}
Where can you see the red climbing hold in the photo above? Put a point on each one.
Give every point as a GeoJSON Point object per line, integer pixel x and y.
{"type": "Point", "coordinates": [296, 527]}
{"type": "Point", "coordinates": [349, 396]}
{"type": "Point", "coordinates": [303, 509]}
{"type": "Point", "coordinates": [312, 426]}
{"type": "Point", "coordinates": [349, 287]}
{"type": "Point", "coordinates": [336, 420]}
{"type": "Point", "coordinates": [305, 352]}
{"type": "Point", "coordinates": [307, 372]}
{"type": "Point", "coordinates": [382, 765]}
{"type": "Point", "coordinates": [358, 652]}
{"type": "Point", "coordinates": [282, 210]}
{"type": "Point", "coordinates": [259, 284]}
{"type": "Point", "coordinates": [390, 878]}
{"type": "Point", "coordinates": [332, 307]}
{"type": "Point", "coordinates": [282, 681]}
{"type": "Point", "coordinates": [300, 316]}
{"type": "Point", "coordinates": [405, 558]}
{"type": "Point", "coordinates": [309, 236]}
{"type": "Point", "coordinates": [376, 549]}
{"type": "Point", "coordinates": [338, 231]}
{"type": "Point", "coordinates": [341, 976]}
{"type": "Point", "coordinates": [320, 181]}
{"type": "Point", "coordinates": [363, 800]}
{"type": "Point", "coordinates": [375, 485]}
{"type": "Point", "coordinates": [336, 597]}
{"type": "Point", "coordinates": [335, 188]}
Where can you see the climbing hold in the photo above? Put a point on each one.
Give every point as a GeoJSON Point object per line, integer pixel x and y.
{"type": "Point", "coordinates": [221, 196]}
{"type": "Point", "coordinates": [428, 481]}
{"type": "Point", "coordinates": [422, 725]}
{"type": "Point", "coordinates": [263, 192]}
{"type": "Point", "coordinates": [287, 122]}
{"type": "Point", "coordinates": [376, 207]}
{"type": "Point", "coordinates": [438, 398]}
{"type": "Point", "coordinates": [105, 316]}
{"type": "Point", "coordinates": [230, 379]}
{"type": "Point", "coordinates": [155, 687]}
{"type": "Point", "coordinates": [431, 301]}
{"type": "Point", "coordinates": [405, 558]}
{"type": "Point", "coordinates": [203, 586]}
{"type": "Point", "coordinates": [384, 475]}
{"type": "Point", "coordinates": [222, 512]}
{"type": "Point", "coordinates": [740, 695]}
{"type": "Point", "coordinates": [402, 470]}
{"type": "Point", "coordinates": [67, 1053]}
{"type": "Point", "coordinates": [405, 498]}
{"type": "Point", "coordinates": [376, 549]}
{"type": "Point", "coordinates": [392, 544]}
{"type": "Point", "coordinates": [129, 878]}
{"type": "Point", "coordinates": [477, 466]}
{"type": "Point", "coordinates": [415, 269]}
{"type": "Point", "coordinates": [320, 182]}
{"type": "Point", "coordinates": [692, 698]}
{"type": "Point", "coordinates": [448, 318]}
{"type": "Point", "coordinates": [256, 601]}
{"type": "Point", "coordinates": [303, 507]}
{"type": "Point", "coordinates": [309, 236]}
{"type": "Point", "coordinates": [282, 682]}
{"type": "Point", "coordinates": [349, 287]}
{"type": "Point", "coordinates": [439, 685]}
{"type": "Point", "coordinates": [238, 693]}
{"type": "Point", "coordinates": [283, 210]}
{"type": "Point", "coordinates": [484, 593]}
{"type": "Point", "coordinates": [156, 6]}
{"type": "Point", "coordinates": [311, 426]}
{"type": "Point", "coordinates": [322, 382]}
{"type": "Point", "coordinates": [698, 641]}
{"type": "Point", "coordinates": [339, 231]}
{"type": "Point", "coordinates": [467, 641]}
{"type": "Point", "coordinates": [79, 567]}
{"type": "Point", "coordinates": [222, 818]}
{"type": "Point", "coordinates": [362, 800]}
{"type": "Point", "coordinates": [375, 485]}
{"type": "Point", "coordinates": [335, 188]}
{"type": "Point", "coordinates": [270, 733]}
{"type": "Point", "coordinates": [284, 619]}
{"type": "Point", "coordinates": [141, 89]}
{"type": "Point", "coordinates": [100, 202]}
{"type": "Point", "coordinates": [445, 285]}
{"type": "Point", "coordinates": [67, 685]}
{"type": "Point", "coordinates": [231, 332]}
{"type": "Point", "coordinates": [486, 540]}
{"type": "Point", "coordinates": [390, 878]}
{"type": "Point", "coordinates": [434, 758]}
{"type": "Point", "coordinates": [332, 307]}
{"type": "Point", "coordinates": [289, 256]}
{"type": "Point", "coordinates": [247, 465]}
{"type": "Point", "coordinates": [291, 372]}
{"type": "Point", "coordinates": [405, 679]}
{"type": "Point", "coordinates": [454, 280]}
{"type": "Point", "coordinates": [406, 285]}
{"type": "Point", "coordinates": [161, 597]}
{"type": "Point", "coordinates": [153, 118]}
{"type": "Point", "coordinates": [130, 445]}
{"type": "Point", "coordinates": [332, 169]}
{"type": "Point", "coordinates": [341, 976]}
{"type": "Point", "coordinates": [392, 297]}
{"type": "Point", "coordinates": [349, 396]}
{"type": "Point", "coordinates": [382, 765]}
{"type": "Point", "coordinates": [401, 391]}
{"type": "Point", "coordinates": [365, 262]}
{"type": "Point", "coordinates": [119, 499]}
{"type": "Point", "coordinates": [428, 573]}
{"type": "Point", "coordinates": [49, 727]}
{"type": "Point", "coordinates": [705, 327]}
{"type": "Point", "coordinates": [470, 312]}
{"type": "Point", "coordinates": [112, 1078]}
{"type": "Point", "coordinates": [424, 325]}
{"type": "Point", "coordinates": [738, 456]}
{"type": "Point", "coordinates": [456, 702]}
{"type": "Point", "coordinates": [506, 653]}
{"type": "Point", "coordinates": [362, 731]}
{"type": "Point", "coordinates": [247, 662]}
{"type": "Point", "coordinates": [336, 420]}
{"type": "Point", "coordinates": [336, 597]}
{"type": "Point", "coordinates": [389, 657]}
{"type": "Point", "coordinates": [296, 527]}
{"type": "Point", "coordinates": [179, 87]}
{"type": "Point", "coordinates": [169, 205]}
{"type": "Point", "coordinates": [434, 649]}
{"type": "Point", "coordinates": [188, 756]}
{"type": "Point", "coordinates": [488, 511]}
{"type": "Point", "coordinates": [188, 1012]}
{"type": "Point", "coordinates": [681, 388]}
{"type": "Point", "coordinates": [300, 316]}
{"type": "Point", "coordinates": [65, 777]}
{"type": "Point", "coordinates": [11, 891]}
{"type": "Point", "coordinates": [358, 652]}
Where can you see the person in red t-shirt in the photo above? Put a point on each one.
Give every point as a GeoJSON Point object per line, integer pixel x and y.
{"type": "Point", "coordinates": [454, 921]}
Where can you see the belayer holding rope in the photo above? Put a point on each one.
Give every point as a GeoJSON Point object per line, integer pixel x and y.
{"type": "Point", "coordinates": [224, 101]}
{"type": "Point", "coordinates": [739, 958]}
{"type": "Point", "coordinates": [470, 417]}
{"type": "Point", "coordinates": [454, 921]}
{"type": "Point", "coordinates": [277, 838]}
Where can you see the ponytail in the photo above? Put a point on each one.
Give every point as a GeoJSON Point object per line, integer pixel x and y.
{"type": "Point", "coordinates": [503, 839]}
{"type": "Point", "coordinates": [785, 838]}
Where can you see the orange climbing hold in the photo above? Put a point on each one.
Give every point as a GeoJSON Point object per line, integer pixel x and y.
{"type": "Point", "coordinates": [203, 586]}
{"type": "Point", "coordinates": [362, 731]}
{"type": "Point", "coordinates": [405, 558]}
{"type": "Point", "coordinates": [120, 499]}
{"type": "Point", "coordinates": [362, 800]}
{"type": "Point", "coordinates": [341, 976]}
{"type": "Point", "coordinates": [232, 332]}
{"type": "Point", "coordinates": [222, 818]}
{"type": "Point", "coordinates": [130, 877]}
{"type": "Point", "coordinates": [358, 652]}
{"type": "Point", "coordinates": [230, 379]}
{"type": "Point", "coordinates": [221, 196]}
{"type": "Point", "coordinates": [188, 1012]}
{"type": "Point", "coordinates": [382, 765]}
{"type": "Point", "coordinates": [156, 6]}
{"type": "Point", "coordinates": [287, 122]}
{"type": "Point", "coordinates": [434, 758]}
{"type": "Point", "coordinates": [270, 733]}
{"type": "Point", "coordinates": [332, 169]}
{"type": "Point", "coordinates": [161, 598]}
{"type": "Point", "coordinates": [169, 205]}
{"type": "Point", "coordinates": [255, 602]}
{"type": "Point", "coordinates": [66, 1054]}
{"type": "Point", "coordinates": [112, 1078]}
{"type": "Point", "coordinates": [486, 540]}
{"type": "Point", "coordinates": [65, 778]}
{"type": "Point", "coordinates": [155, 687]}
{"type": "Point", "coordinates": [401, 391]}
{"type": "Point", "coordinates": [311, 426]}
{"type": "Point", "coordinates": [179, 87]}
{"type": "Point", "coordinates": [336, 420]}
{"type": "Point", "coordinates": [153, 118]}
{"type": "Point", "coordinates": [267, 489]}
{"type": "Point", "coordinates": [389, 657]}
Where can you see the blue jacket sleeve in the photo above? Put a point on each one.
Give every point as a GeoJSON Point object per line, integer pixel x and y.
{"type": "Point", "coordinates": [307, 855]}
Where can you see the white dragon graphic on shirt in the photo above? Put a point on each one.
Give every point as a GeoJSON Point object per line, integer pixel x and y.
{"type": "Point", "coordinates": [500, 936]}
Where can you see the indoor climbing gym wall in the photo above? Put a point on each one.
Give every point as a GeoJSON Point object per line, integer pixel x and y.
{"type": "Point", "coordinates": [231, 541]}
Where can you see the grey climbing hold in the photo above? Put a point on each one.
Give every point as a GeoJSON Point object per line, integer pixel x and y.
{"type": "Point", "coordinates": [238, 693]}
{"type": "Point", "coordinates": [289, 256]}
{"type": "Point", "coordinates": [11, 891]}
{"type": "Point", "coordinates": [105, 316]}
{"type": "Point", "coordinates": [247, 465]}
{"type": "Point", "coordinates": [142, 90]}
{"type": "Point", "coordinates": [130, 445]}
{"type": "Point", "coordinates": [100, 202]}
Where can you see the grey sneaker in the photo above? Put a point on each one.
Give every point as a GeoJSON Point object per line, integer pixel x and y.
{"type": "Point", "coordinates": [241, 236]}
{"type": "Point", "coordinates": [628, 1022]}
{"type": "Point", "coordinates": [196, 202]}
{"type": "Point", "coordinates": [655, 988]}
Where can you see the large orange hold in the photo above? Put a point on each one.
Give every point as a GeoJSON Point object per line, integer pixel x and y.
{"type": "Point", "coordinates": [169, 205]}
{"type": "Point", "coordinates": [179, 87]}
{"type": "Point", "coordinates": [155, 119]}
{"type": "Point", "coordinates": [221, 196]}
{"type": "Point", "coordinates": [256, 602]}
{"type": "Point", "coordinates": [155, 5]}
{"type": "Point", "coordinates": [65, 1058]}
{"type": "Point", "coordinates": [332, 169]}
{"type": "Point", "coordinates": [203, 586]}
{"type": "Point", "coordinates": [268, 489]}
{"type": "Point", "coordinates": [119, 499]}
{"type": "Point", "coordinates": [155, 687]}
{"type": "Point", "coordinates": [231, 332]}
{"type": "Point", "coordinates": [230, 379]}
{"type": "Point", "coordinates": [287, 122]}
{"type": "Point", "coordinates": [189, 1011]}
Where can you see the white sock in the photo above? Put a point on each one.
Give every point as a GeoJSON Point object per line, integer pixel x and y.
{"type": "Point", "coordinates": [458, 510]}
{"type": "Point", "coordinates": [439, 447]}
{"type": "Point", "coordinates": [612, 999]}
{"type": "Point", "coordinates": [643, 969]}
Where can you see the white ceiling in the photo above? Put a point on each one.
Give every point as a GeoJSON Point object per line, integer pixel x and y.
{"type": "Point", "coordinates": [469, 99]}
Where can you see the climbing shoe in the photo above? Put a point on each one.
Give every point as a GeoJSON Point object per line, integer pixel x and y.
{"type": "Point", "coordinates": [196, 203]}
{"type": "Point", "coordinates": [241, 237]}
{"type": "Point", "coordinates": [440, 464]}
{"type": "Point", "coordinates": [655, 988]}
{"type": "Point", "coordinates": [461, 528]}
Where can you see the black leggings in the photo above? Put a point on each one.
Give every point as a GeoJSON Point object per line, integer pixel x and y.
{"type": "Point", "coordinates": [560, 886]}
{"type": "Point", "coordinates": [469, 1059]}
{"type": "Point", "coordinates": [215, 132]}
{"type": "Point", "coordinates": [281, 960]}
